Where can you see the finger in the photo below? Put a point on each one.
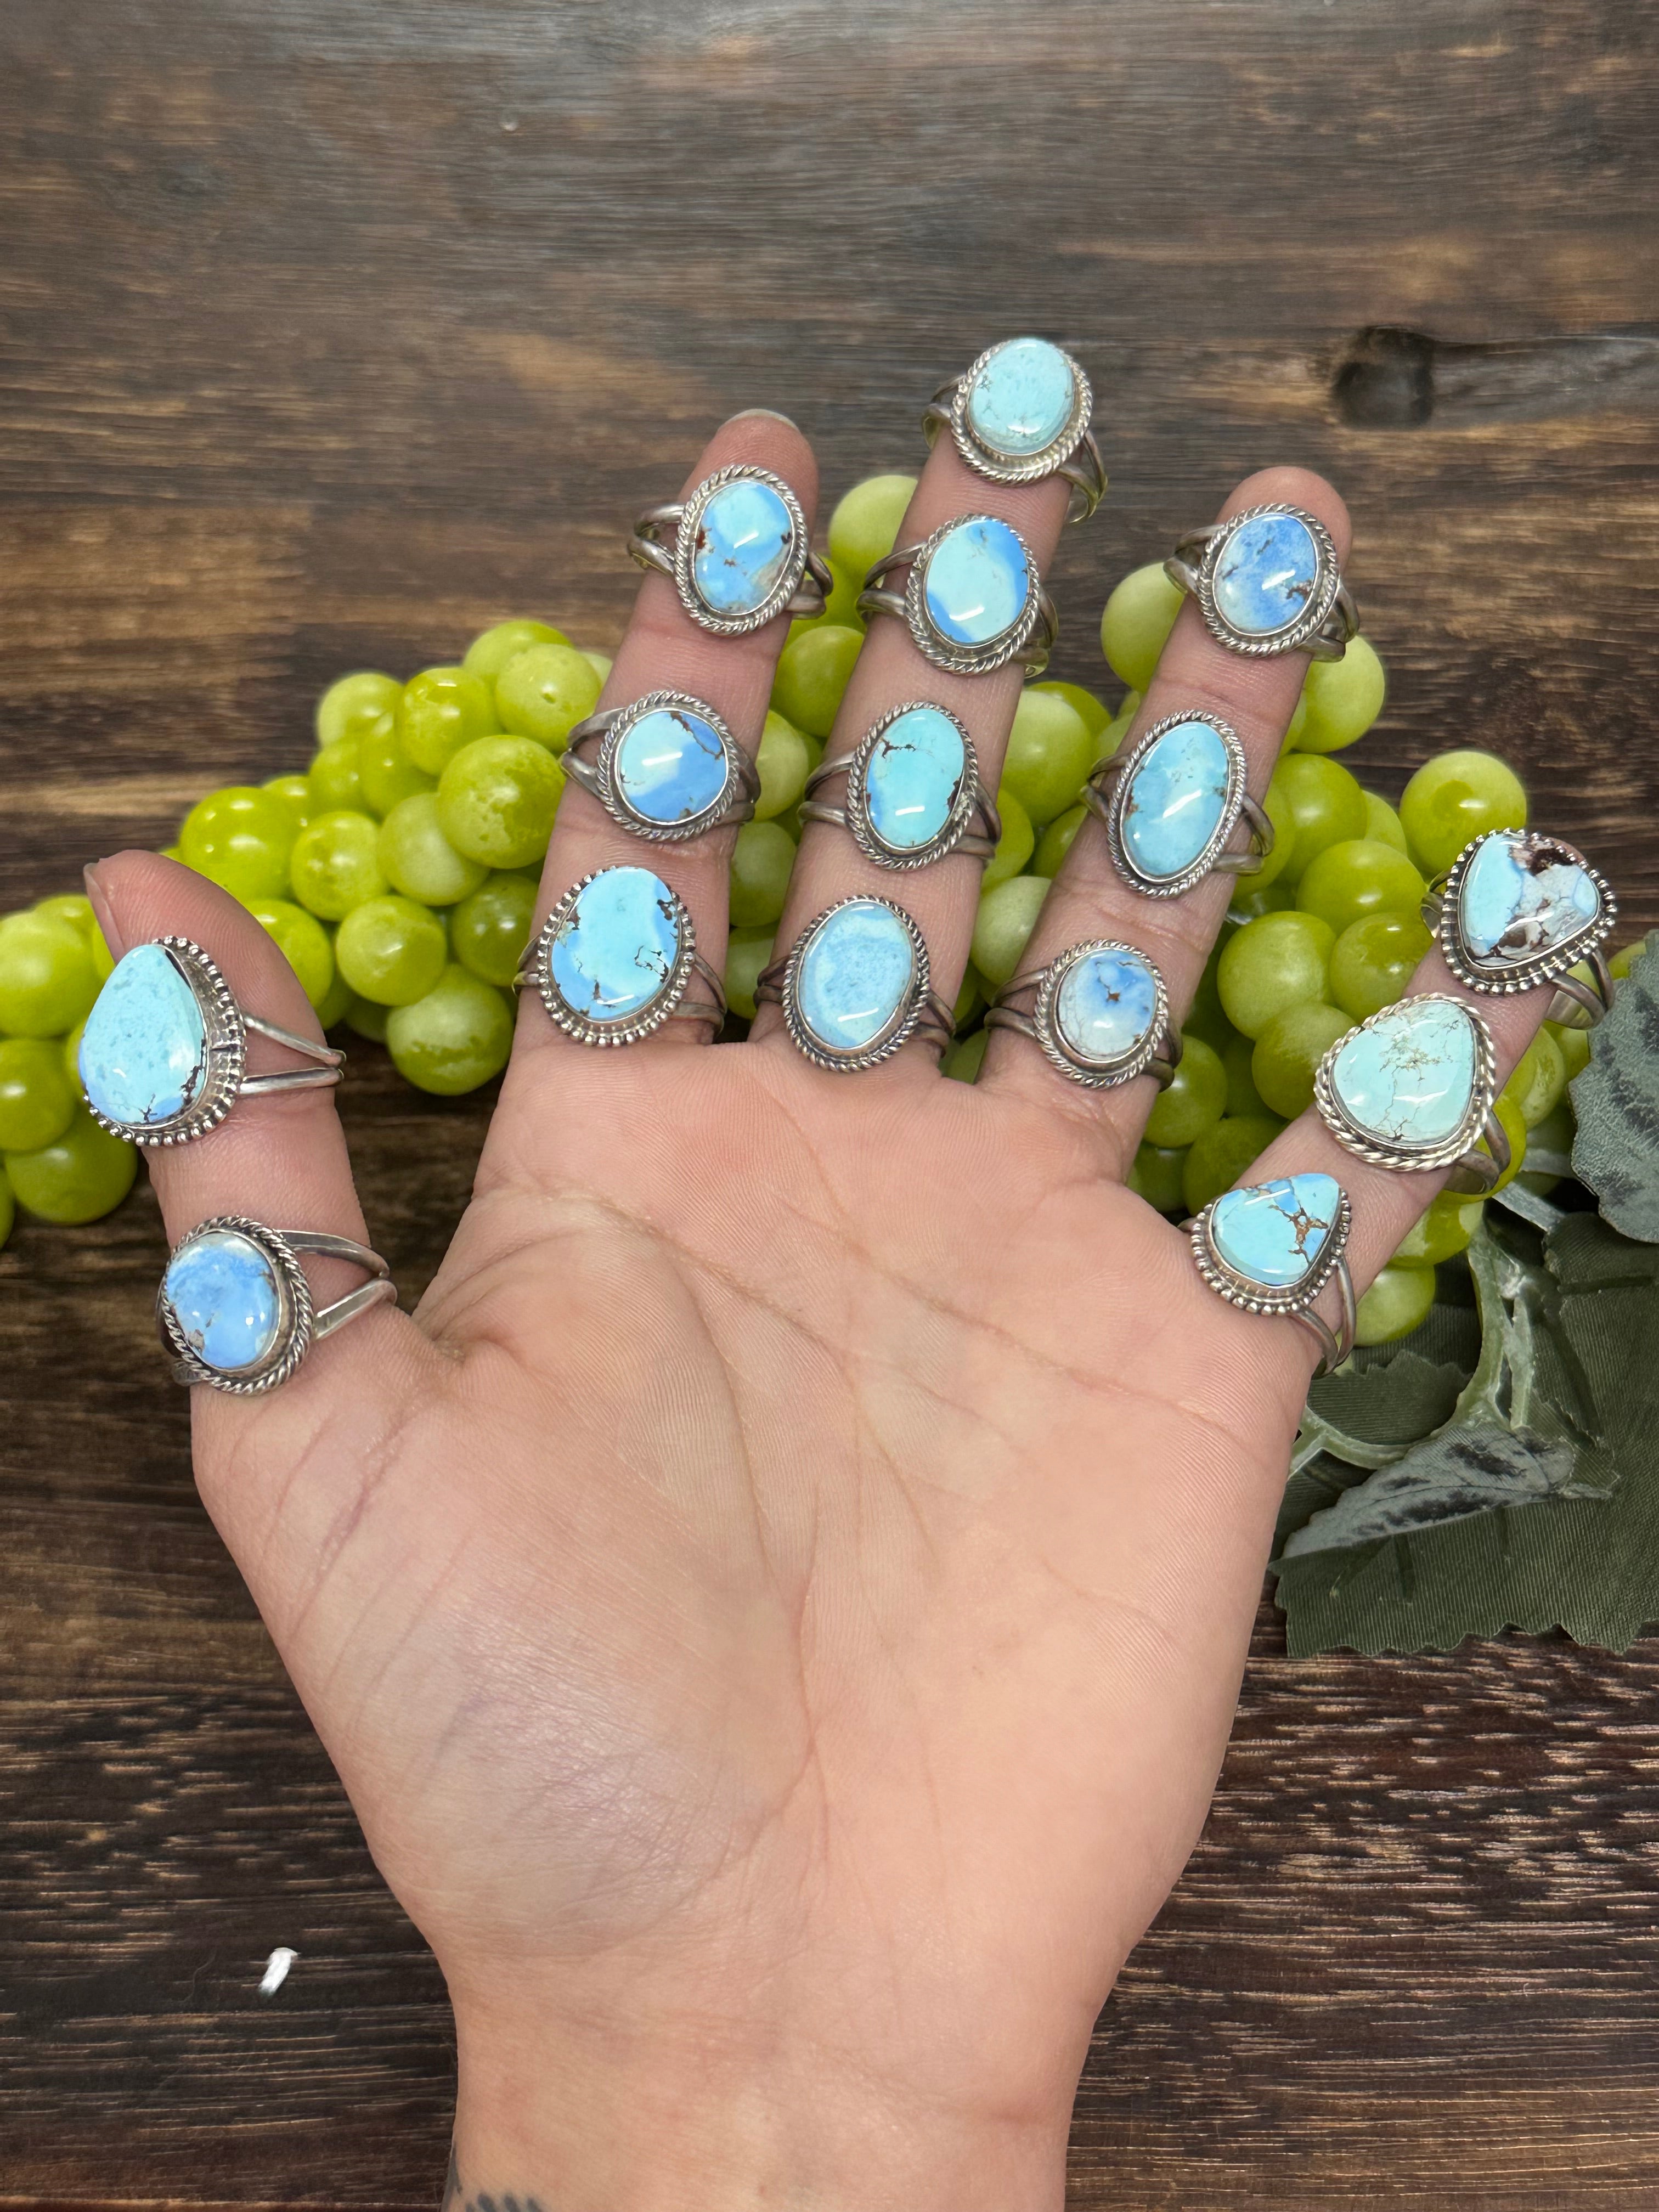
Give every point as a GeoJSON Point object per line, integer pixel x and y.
{"type": "Point", "coordinates": [891, 671]}
{"type": "Point", "coordinates": [1088, 899]}
{"type": "Point", "coordinates": [665, 649]}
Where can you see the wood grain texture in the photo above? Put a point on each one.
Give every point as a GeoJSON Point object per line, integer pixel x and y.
{"type": "Point", "coordinates": [330, 330]}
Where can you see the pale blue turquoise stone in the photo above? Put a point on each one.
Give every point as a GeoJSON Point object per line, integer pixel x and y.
{"type": "Point", "coordinates": [1175, 799]}
{"type": "Point", "coordinates": [144, 1051]}
{"type": "Point", "coordinates": [618, 946]}
{"type": "Point", "coordinates": [670, 765]}
{"type": "Point", "coordinates": [222, 1290]}
{"type": "Point", "coordinates": [913, 777]}
{"type": "Point", "coordinates": [1266, 573]}
{"type": "Point", "coordinates": [1272, 1233]}
{"type": "Point", "coordinates": [854, 975]}
{"type": "Point", "coordinates": [1520, 897]}
{"type": "Point", "coordinates": [977, 582]}
{"type": "Point", "coordinates": [1022, 399]}
{"type": "Point", "coordinates": [1105, 1006]}
{"type": "Point", "coordinates": [744, 538]}
{"type": "Point", "coordinates": [1408, 1079]}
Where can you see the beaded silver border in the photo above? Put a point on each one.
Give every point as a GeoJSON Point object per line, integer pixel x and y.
{"type": "Point", "coordinates": [1243, 1291]}
{"type": "Point", "coordinates": [966, 799]}
{"type": "Point", "coordinates": [723, 812]}
{"type": "Point", "coordinates": [685, 546]}
{"type": "Point", "coordinates": [224, 1049]}
{"type": "Point", "coordinates": [651, 1016]}
{"type": "Point", "coordinates": [295, 1323]}
{"type": "Point", "coordinates": [1092, 1075]}
{"type": "Point", "coordinates": [1306, 629]}
{"type": "Point", "coordinates": [903, 1024]}
{"type": "Point", "coordinates": [1532, 968]}
{"type": "Point", "coordinates": [1119, 772]}
{"type": "Point", "coordinates": [1001, 468]}
{"type": "Point", "coordinates": [1405, 1159]}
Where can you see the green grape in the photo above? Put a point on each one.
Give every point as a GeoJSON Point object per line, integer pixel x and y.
{"type": "Point", "coordinates": [1111, 738]}
{"type": "Point", "coordinates": [8, 1206]}
{"type": "Point", "coordinates": [365, 1019]}
{"type": "Point", "coordinates": [813, 673]}
{"type": "Point", "coordinates": [1374, 960]}
{"type": "Point", "coordinates": [37, 1099]}
{"type": "Point", "coordinates": [489, 930]}
{"type": "Point", "coordinates": [385, 772]}
{"type": "Point", "coordinates": [497, 799]}
{"type": "Point", "coordinates": [1156, 1174]}
{"type": "Point", "coordinates": [1236, 1055]}
{"type": "Point", "coordinates": [1014, 847]}
{"type": "Point", "coordinates": [601, 663]}
{"type": "Point", "coordinates": [1277, 961]}
{"type": "Point", "coordinates": [301, 940]}
{"type": "Point", "coordinates": [864, 526]}
{"type": "Point", "coordinates": [391, 950]}
{"type": "Point", "coordinates": [762, 858]}
{"type": "Point", "coordinates": [73, 907]}
{"type": "Point", "coordinates": [1049, 754]}
{"type": "Point", "coordinates": [1397, 1303]}
{"type": "Point", "coordinates": [1252, 899]}
{"type": "Point", "coordinates": [1573, 1045]}
{"type": "Point", "coordinates": [1194, 1102]}
{"type": "Point", "coordinates": [443, 709]}
{"type": "Point", "coordinates": [1538, 1080]}
{"type": "Point", "coordinates": [1292, 740]}
{"type": "Point", "coordinates": [1223, 1154]}
{"type": "Point", "coordinates": [1288, 1051]}
{"type": "Point", "coordinates": [1007, 915]}
{"type": "Point", "coordinates": [969, 999]}
{"type": "Point", "coordinates": [1056, 842]}
{"type": "Point", "coordinates": [964, 1060]}
{"type": "Point", "coordinates": [454, 1037]}
{"type": "Point", "coordinates": [1276, 805]}
{"type": "Point", "coordinates": [103, 960]}
{"type": "Point", "coordinates": [1096, 714]}
{"type": "Point", "coordinates": [1553, 1136]}
{"type": "Point", "coordinates": [1382, 824]}
{"type": "Point", "coordinates": [747, 952]}
{"type": "Point", "coordinates": [1344, 698]}
{"type": "Point", "coordinates": [1324, 801]}
{"type": "Point", "coordinates": [357, 706]}
{"type": "Point", "coordinates": [1509, 1116]}
{"type": "Point", "coordinates": [70, 1051]}
{"type": "Point", "coordinates": [240, 837]}
{"type": "Point", "coordinates": [336, 864]}
{"type": "Point", "coordinates": [333, 1006]}
{"type": "Point", "coordinates": [48, 980]}
{"type": "Point", "coordinates": [1137, 623]}
{"type": "Point", "coordinates": [1443, 1231]}
{"type": "Point", "coordinates": [80, 1175]}
{"type": "Point", "coordinates": [1626, 958]}
{"type": "Point", "coordinates": [294, 792]}
{"type": "Point", "coordinates": [1455, 797]}
{"type": "Point", "coordinates": [1346, 882]}
{"type": "Point", "coordinates": [491, 650]}
{"type": "Point", "coordinates": [543, 693]}
{"type": "Point", "coordinates": [784, 762]}
{"type": "Point", "coordinates": [1206, 1017]}
{"type": "Point", "coordinates": [419, 861]}
{"type": "Point", "coordinates": [334, 780]}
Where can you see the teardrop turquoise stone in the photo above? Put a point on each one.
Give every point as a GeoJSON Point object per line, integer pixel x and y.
{"type": "Point", "coordinates": [144, 1051]}
{"type": "Point", "coordinates": [1409, 1078]}
{"type": "Point", "coordinates": [1272, 1233]}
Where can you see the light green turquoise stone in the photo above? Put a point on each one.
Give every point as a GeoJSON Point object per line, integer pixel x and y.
{"type": "Point", "coordinates": [1021, 400]}
{"type": "Point", "coordinates": [1407, 1079]}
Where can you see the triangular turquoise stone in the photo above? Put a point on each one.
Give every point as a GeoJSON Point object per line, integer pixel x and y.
{"type": "Point", "coordinates": [1522, 895]}
{"type": "Point", "coordinates": [1406, 1079]}
{"type": "Point", "coordinates": [1272, 1233]}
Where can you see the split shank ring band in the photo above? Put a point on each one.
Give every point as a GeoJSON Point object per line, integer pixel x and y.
{"type": "Point", "coordinates": [235, 1310]}
{"type": "Point", "coordinates": [1267, 581]}
{"type": "Point", "coordinates": [1020, 413]}
{"type": "Point", "coordinates": [913, 790]}
{"type": "Point", "coordinates": [973, 600]}
{"type": "Point", "coordinates": [667, 768]}
{"type": "Point", "coordinates": [741, 553]}
{"type": "Point", "coordinates": [855, 987]}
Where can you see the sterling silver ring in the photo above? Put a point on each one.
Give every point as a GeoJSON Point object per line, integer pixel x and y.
{"type": "Point", "coordinates": [1101, 1015]}
{"type": "Point", "coordinates": [854, 987]}
{"type": "Point", "coordinates": [913, 790]}
{"type": "Point", "coordinates": [1271, 1247]}
{"type": "Point", "coordinates": [1517, 910]}
{"type": "Point", "coordinates": [1412, 1088]}
{"type": "Point", "coordinates": [163, 1057]}
{"type": "Point", "coordinates": [667, 768]}
{"type": "Point", "coordinates": [615, 960]}
{"type": "Point", "coordinates": [1021, 412]}
{"type": "Point", "coordinates": [1170, 803]}
{"type": "Point", "coordinates": [741, 553]}
{"type": "Point", "coordinates": [235, 1310]}
{"type": "Point", "coordinates": [1267, 581]}
{"type": "Point", "coordinates": [974, 600]}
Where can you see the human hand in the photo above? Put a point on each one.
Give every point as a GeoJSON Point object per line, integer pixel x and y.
{"type": "Point", "coordinates": [779, 1605]}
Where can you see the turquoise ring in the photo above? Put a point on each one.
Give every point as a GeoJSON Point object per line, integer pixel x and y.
{"type": "Point", "coordinates": [1271, 1247]}
{"type": "Point", "coordinates": [667, 768]}
{"type": "Point", "coordinates": [616, 959]}
{"type": "Point", "coordinates": [1410, 1088]}
{"type": "Point", "coordinates": [974, 600]}
{"type": "Point", "coordinates": [1020, 413]}
{"type": "Point", "coordinates": [913, 791]}
{"type": "Point", "coordinates": [740, 555]}
{"type": "Point", "coordinates": [235, 1310]}
{"type": "Point", "coordinates": [1101, 1015]}
{"type": "Point", "coordinates": [1171, 803]}
{"type": "Point", "coordinates": [1267, 581]}
{"type": "Point", "coordinates": [1517, 909]}
{"type": "Point", "coordinates": [855, 987]}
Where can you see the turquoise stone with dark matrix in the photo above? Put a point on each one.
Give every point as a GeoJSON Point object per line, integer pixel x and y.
{"type": "Point", "coordinates": [745, 539]}
{"type": "Point", "coordinates": [1408, 1079]}
{"type": "Point", "coordinates": [1177, 795]}
{"type": "Point", "coordinates": [1105, 1006]}
{"type": "Point", "coordinates": [1520, 897]}
{"type": "Point", "coordinates": [144, 1051]}
{"type": "Point", "coordinates": [670, 766]}
{"type": "Point", "coordinates": [1272, 1233]}
{"type": "Point", "coordinates": [913, 777]}
{"type": "Point", "coordinates": [1265, 574]}
{"type": "Point", "coordinates": [222, 1290]}
{"type": "Point", "coordinates": [618, 946]}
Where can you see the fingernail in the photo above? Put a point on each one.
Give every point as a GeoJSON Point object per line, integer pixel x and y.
{"type": "Point", "coordinates": [767, 414]}
{"type": "Point", "coordinates": [101, 907]}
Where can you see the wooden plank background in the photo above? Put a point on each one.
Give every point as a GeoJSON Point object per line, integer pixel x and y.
{"type": "Point", "coordinates": [332, 330]}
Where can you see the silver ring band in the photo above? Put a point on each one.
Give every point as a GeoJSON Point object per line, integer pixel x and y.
{"type": "Point", "coordinates": [234, 1285]}
{"type": "Point", "coordinates": [643, 929]}
{"type": "Point", "coordinates": [1298, 1206]}
{"type": "Point", "coordinates": [1109, 795]}
{"type": "Point", "coordinates": [827, 997]}
{"type": "Point", "coordinates": [948, 810]}
{"type": "Point", "coordinates": [1431, 1028]}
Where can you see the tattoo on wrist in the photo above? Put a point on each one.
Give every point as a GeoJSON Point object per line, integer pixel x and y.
{"type": "Point", "coordinates": [457, 2198]}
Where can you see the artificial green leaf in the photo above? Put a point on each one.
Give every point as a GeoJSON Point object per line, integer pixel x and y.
{"type": "Point", "coordinates": [1309, 1490]}
{"type": "Point", "coordinates": [1616, 1099]}
{"type": "Point", "coordinates": [1447, 1478]}
{"type": "Point", "coordinates": [1395, 1404]}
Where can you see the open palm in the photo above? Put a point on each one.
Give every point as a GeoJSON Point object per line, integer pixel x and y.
{"type": "Point", "coordinates": [778, 1608]}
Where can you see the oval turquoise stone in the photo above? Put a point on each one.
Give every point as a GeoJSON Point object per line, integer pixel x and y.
{"type": "Point", "coordinates": [1266, 573]}
{"type": "Point", "coordinates": [1105, 1006]}
{"type": "Point", "coordinates": [1272, 1233]}
{"type": "Point", "coordinates": [746, 536]}
{"type": "Point", "coordinates": [1022, 399]}
{"type": "Point", "coordinates": [1175, 800]}
{"type": "Point", "coordinates": [913, 777]}
{"type": "Point", "coordinates": [670, 765]}
{"type": "Point", "coordinates": [222, 1290]}
{"type": "Point", "coordinates": [1522, 895]}
{"type": "Point", "coordinates": [144, 1051]}
{"type": "Point", "coordinates": [1408, 1079]}
{"type": "Point", "coordinates": [618, 946]}
{"type": "Point", "coordinates": [977, 582]}
{"type": "Point", "coordinates": [855, 974]}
